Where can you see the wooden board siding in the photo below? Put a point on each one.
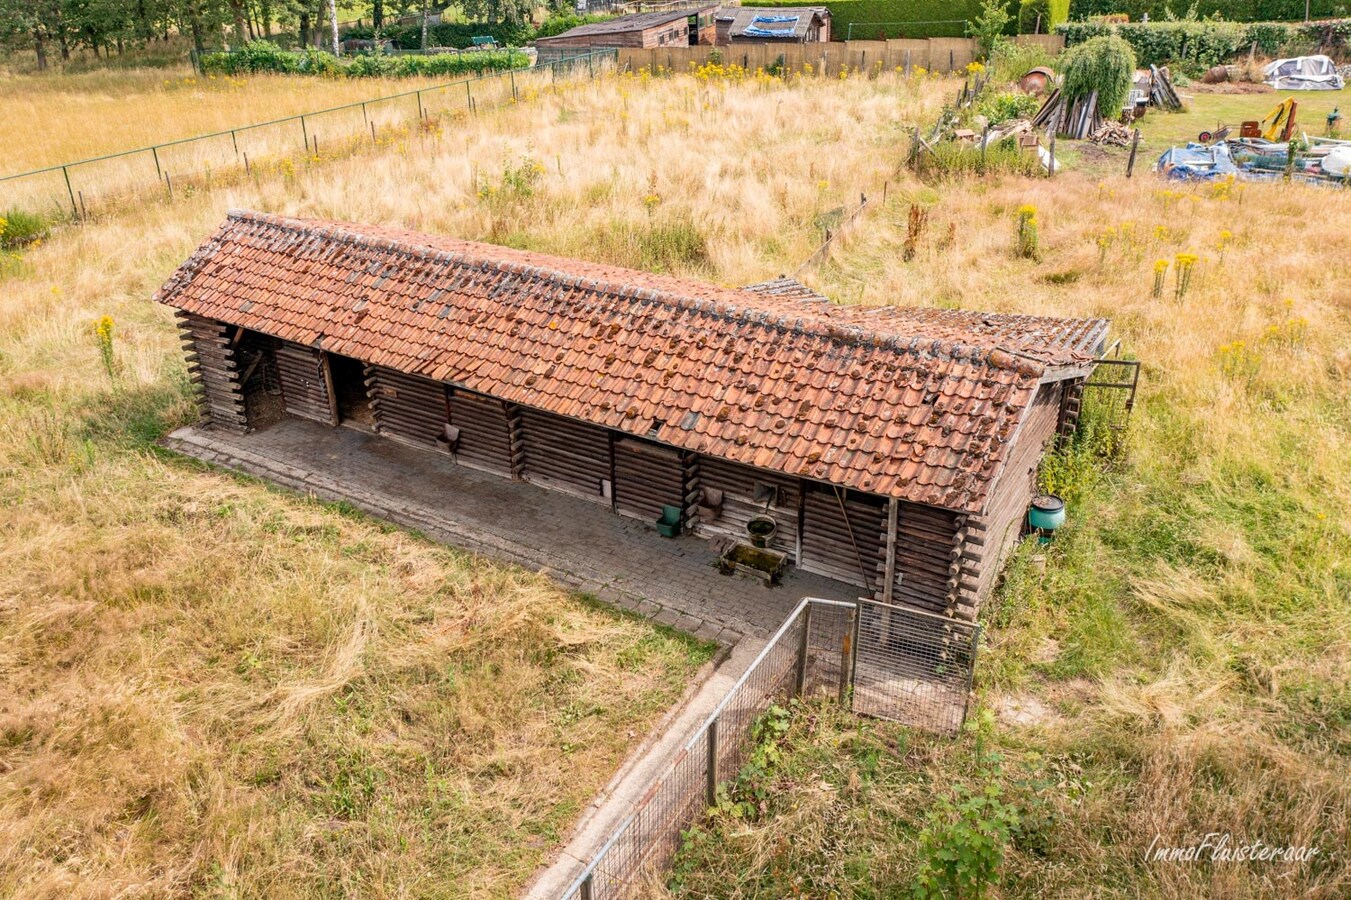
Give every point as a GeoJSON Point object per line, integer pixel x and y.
{"type": "Point", "coordinates": [214, 368]}
{"type": "Point", "coordinates": [827, 546]}
{"type": "Point", "coordinates": [303, 385]}
{"type": "Point", "coordinates": [485, 432]}
{"type": "Point", "coordinates": [647, 477]}
{"type": "Point", "coordinates": [999, 527]}
{"type": "Point", "coordinates": [737, 483]}
{"type": "Point", "coordinates": [406, 407]}
{"type": "Point", "coordinates": [925, 556]}
{"type": "Point", "coordinates": [565, 454]}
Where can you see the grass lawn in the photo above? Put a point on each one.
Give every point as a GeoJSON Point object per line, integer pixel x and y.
{"type": "Point", "coordinates": [1206, 110]}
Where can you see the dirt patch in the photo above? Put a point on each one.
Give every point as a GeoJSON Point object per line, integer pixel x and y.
{"type": "Point", "coordinates": [1230, 87]}
{"type": "Point", "coordinates": [1024, 711]}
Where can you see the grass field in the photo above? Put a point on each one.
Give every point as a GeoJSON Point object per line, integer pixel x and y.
{"type": "Point", "coordinates": [269, 686]}
{"type": "Point", "coordinates": [73, 117]}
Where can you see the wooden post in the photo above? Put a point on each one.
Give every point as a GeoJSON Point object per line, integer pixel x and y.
{"type": "Point", "coordinates": [586, 891]}
{"type": "Point", "coordinates": [847, 655]}
{"type": "Point", "coordinates": [984, 142]}
{"type": "Point", "coordinates": [1135, 145]}
{"type": "Point", "coordinates": [159, 173]}
{"type": "Point", "coordinates": [800, 680]}
{"type": "Point", "coordinates": [304, 133]}
{"type": "Point", "coordinates": [66, 172]}
{"type": "Point", "coordinates": [889, 573]}
{"type": "Point", "coordinates": [711, 781]}
{"type": "Point", "coordinates": [326, 371]}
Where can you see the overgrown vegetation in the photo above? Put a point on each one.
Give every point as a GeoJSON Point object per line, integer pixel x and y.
{"type": "Point", "coordinates": [1196, 45]}
{"type": "Point", "coordinates": [266, 57]}
{"type": "Point", "coordinates": [1103, 64]}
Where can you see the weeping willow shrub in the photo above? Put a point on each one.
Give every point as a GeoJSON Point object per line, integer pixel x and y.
{"type": "Point", "coordinates": [1103, 64]}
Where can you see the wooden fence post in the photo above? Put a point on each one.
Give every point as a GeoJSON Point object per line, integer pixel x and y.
{"type": "Point", "coordinates": [1135, 145]}
{"type": "Point", "coordinates": [711, 781]}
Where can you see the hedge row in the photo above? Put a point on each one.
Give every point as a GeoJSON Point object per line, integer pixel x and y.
{"type": "Point", "coordinates": [1200, 45]}
{"type": "Point", "coordinates": [447, 34]}
{"type": "Point", "coordinates": [876, 19]}
{"type": "Point", "coordinates": [261, 56]}
{"type": "Point", "coordinates": [1232, 10]}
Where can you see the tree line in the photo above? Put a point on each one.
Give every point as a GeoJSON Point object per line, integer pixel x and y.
{"type": "Point", "coordinates": [52, 28]}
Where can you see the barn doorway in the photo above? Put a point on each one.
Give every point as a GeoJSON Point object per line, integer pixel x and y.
{"type": "Point", "coordinates": [350, 396]}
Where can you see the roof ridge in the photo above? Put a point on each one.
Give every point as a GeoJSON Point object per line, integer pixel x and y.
{"type": "Point", "coordinates": [852, 335]}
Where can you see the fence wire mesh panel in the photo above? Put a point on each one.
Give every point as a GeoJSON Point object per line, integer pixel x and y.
{"type": "Point", "coordinates": [643, 846]}
{"type": "Point", "coordinates": [78, 189]}
{"type": "Point", "coordinates": [912, 666]}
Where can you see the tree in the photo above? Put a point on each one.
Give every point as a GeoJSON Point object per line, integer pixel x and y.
{"type": "Point", "coordinates": [988, 28]}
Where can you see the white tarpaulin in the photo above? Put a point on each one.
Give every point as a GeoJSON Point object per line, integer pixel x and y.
{"type": "Point", "coordinates": [1303, 73]}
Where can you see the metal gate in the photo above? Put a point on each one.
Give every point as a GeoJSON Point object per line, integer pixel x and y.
{"type": "Point", "coordinates": [913, 666]}
{"type": "Point", "coordinates": [1113, 385]}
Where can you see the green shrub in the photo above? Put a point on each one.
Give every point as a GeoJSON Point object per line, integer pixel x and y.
{"type": "Point", "coordinates": [557, 24]}
{"type": "Point", "coordinates": [875, 19]}
{"type": "Point", "coordinates": [1103, 64]}
{"type": "Point", "coordinates": [448, 34]}
{"type": "Point", "coordinates": [261, 56]}
{"type": "Point", "coordinates": [951, 159]}
{"type": "Point", "coordinates": [1042, 16]}
{"type": "Point", "coordinates": [19, 228]}
{"type": "Point", "coordinates": [1232, 10]}
{"type": "Point", "coordinates": [1004, 105]}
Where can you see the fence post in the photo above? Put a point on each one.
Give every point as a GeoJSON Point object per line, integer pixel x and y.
{"type": "Point", "coordinates": [971, 671]}
{"type": "Point", "coordinates": [159, 173]}
{"type": "Point", "coordinates": [419, 106]}
{"type": "Point", "coordinates": [512, 74]}
{"type": "Point", "coordinates": [847, 654]}
{"type": "Point", "coordinates": [800, 681]}
{"type": "Point", "coordinates": [73, 208]}
{"type": "Point", "coordinates": [586, 888]}
{"type": "Point", "coordinates": [711, 781]}
{"type": "Point", "coordinates": [304, 133]}
{"type": "Point", "coordinates": [1135, 145]}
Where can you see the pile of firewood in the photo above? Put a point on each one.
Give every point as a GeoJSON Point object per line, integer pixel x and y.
{"type": "Point", "coordinates": [1112, 133]}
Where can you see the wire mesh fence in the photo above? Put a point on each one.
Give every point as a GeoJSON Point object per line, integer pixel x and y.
{"type": "Point", "coordinates": [78, 189]}
{"type": "Point", "coordinates": [795, 661]}
{"type": "Point", "coordinates": [911, 668]}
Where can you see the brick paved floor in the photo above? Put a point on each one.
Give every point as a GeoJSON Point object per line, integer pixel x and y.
{"type": "Point", "coordinates": [582, 544]}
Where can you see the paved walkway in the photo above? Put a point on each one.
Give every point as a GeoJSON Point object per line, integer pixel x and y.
{"type": "Point", "coordinates": [581, 544]}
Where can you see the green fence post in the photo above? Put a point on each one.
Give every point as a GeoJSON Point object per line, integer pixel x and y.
{"type": "Point", "coordinates": [512, 73]}
{"type": "Point", "coordinates": [159, 173]}
{"type": "Point", "coordinates": [419, 105]}
{"type": "Point", "coordinates": [304, 133]}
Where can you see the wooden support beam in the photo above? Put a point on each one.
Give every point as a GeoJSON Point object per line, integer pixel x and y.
{"type": "Point", "coordinates": [889, 570]}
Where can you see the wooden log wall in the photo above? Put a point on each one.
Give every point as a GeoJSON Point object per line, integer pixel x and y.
{"type": "Point", "coordinates": [999, 527]}
{"type": "Point", "coordinates": [565, 454]}
{"type": "Point", "coordinates": [303, 385]}
{"type": "Point", "coordinates": [737, 483]}
{"type": "Point", "coordinates": [485, 432]}
{"type": "Point", "coordinates": [214, 369]}
{"type": "Point", "coordinates": [929, 568]}
{"type": "Point", "coordinates": [406, 407]}
{"type": "Point", "coordinates": [647, 477]}
{"type": "Point", "coordinates": [830, 534]}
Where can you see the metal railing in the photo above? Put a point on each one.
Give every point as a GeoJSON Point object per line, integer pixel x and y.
{"type": "Point", "coordinates": [906, 664]}
{"type": "Point", "coordinates": [205, 155]}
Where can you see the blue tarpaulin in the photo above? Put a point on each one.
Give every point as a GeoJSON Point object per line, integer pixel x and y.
{"type": "Point", "coordinates": [1197, 161]}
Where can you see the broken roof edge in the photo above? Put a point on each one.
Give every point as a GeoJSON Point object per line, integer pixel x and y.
{"type": "Point", "coordinates": [737, 304]}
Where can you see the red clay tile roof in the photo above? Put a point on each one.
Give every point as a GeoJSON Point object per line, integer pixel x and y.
{"type": "Point", "coordinates": [773, 383]}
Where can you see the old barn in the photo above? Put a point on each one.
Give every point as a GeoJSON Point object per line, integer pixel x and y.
{"type": "Point", "coordinates": [671, 28]}
{"type": "Point", "coordinates": [891, 449]}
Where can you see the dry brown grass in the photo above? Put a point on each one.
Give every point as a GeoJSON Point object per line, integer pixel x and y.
{"type": "Point", "coordinates": [1198, 612]}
